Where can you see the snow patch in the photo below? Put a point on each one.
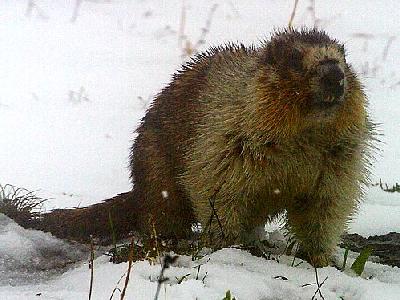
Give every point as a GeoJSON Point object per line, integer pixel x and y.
{"type": "Point", "coordinates": [31, 255]}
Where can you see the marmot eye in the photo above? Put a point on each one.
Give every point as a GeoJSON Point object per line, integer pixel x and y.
{"type": "Point", "coordinates": [295, 60]}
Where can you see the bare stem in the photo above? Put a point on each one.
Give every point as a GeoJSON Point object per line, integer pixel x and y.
{"type": "Point", "coordinates": [318, 286]}
{"type": "Point", "coordinates": [91, 266]}
{"type": "Point", "coordinates": [293, 13]}
{"type": "Point", "coordinates": [130, 259]}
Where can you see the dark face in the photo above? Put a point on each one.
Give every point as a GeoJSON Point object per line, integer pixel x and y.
{"type": "Point", "coordinates": [317, 70]}
{"type": "Point", "coordinates": [312, 70]}
{"type": "Point", "coordinates": [306, 85]}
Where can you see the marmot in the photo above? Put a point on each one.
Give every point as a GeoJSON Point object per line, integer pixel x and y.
{"type": "Point", "coordinates": [240, 135]}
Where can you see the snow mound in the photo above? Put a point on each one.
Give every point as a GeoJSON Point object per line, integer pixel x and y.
{"type": "Point", "coordinates": [30, 256]}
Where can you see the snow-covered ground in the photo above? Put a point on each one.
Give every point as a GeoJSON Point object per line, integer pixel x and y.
{"type": "Point", "coordinates": [72, 93]}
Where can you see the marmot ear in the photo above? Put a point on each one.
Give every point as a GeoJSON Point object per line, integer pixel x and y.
{"type": "Point", "coordinates": [342, 49]}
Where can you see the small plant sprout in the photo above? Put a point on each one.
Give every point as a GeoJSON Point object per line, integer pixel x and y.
{"type": "Point", "coordinates": [359, 264]}
{"type": "Point", "coordinates": [228, 296]}
{"type": "Point", "coordinates": [346, 253]}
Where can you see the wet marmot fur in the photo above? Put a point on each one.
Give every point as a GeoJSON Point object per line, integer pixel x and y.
{"type": "Point", "coordinates": [240, 135]}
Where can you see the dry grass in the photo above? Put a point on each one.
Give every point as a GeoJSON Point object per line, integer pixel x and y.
{"type": "Point", "coordinates": [20, 204]}
{"type": "Point", "coordinates": [190, 46]}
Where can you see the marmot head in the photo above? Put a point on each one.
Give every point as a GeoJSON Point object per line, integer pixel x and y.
{"type": "Point", "coordinates": [304, 83]}
{"type": "Point", "coordinates": [308, 74]}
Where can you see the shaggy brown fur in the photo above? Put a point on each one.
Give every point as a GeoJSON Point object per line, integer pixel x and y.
{"type": "Point", "coordinates": [240, 135]}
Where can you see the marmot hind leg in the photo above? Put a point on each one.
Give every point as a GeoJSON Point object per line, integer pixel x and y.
{"type": "Point", "coordinates": [162, 202]}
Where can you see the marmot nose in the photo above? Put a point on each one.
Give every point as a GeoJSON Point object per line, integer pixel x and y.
{"type": "Point", "coordinates": [332, 81]}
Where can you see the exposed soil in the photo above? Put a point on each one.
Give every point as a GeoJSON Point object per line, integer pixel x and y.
{"type": "Point", "coordinates": [386, 247]}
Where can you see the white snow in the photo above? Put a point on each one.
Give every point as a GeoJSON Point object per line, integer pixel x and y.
{"type": "Point", "coordinates": [246, 276]}
{"type": "Point", "coordinates": [31, 256]}
{"type": "Point", "coordinates": [72, 94]}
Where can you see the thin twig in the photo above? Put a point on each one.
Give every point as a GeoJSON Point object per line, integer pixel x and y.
{"type": "Point", "coordinates": [155, 236]}
{"type": "Point", "coordinates": [182, 24]}
{"type": "Point", "coordinates": [211, 200]}
{"type": "Point", "coordinates": [212, 204]}
{"type": "Point", "coordinates": [207, 27]}
{"type": "Point", "coordinates": [168, 260]}
{"type": "Point", "coordinates": [114, 239]}
{"type": "Point", "coordinates": [293, 13]}
{"type": "Point", "coordinates": [91, 266]}
{"type": "Point", "coordinates": [116, 289]}
{"type": "Point", "coordinates": [159, 282]}
{"type": "Point", "coordinates": [313, 14]}
{"type": "Point", "coordinates": [318, 285]}
{"type": "Point", "coordinates": [130, 259]}
{"type": "Point", "coordinates": [188, 47]}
